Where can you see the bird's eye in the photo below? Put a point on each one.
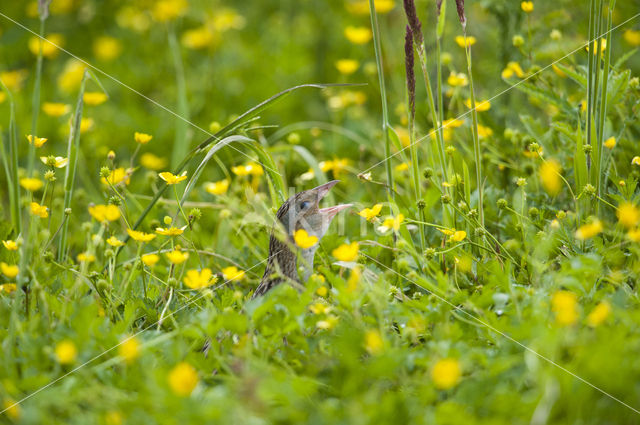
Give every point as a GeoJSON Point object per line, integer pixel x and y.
{"type": "Point", "coordinates": [304, 205]}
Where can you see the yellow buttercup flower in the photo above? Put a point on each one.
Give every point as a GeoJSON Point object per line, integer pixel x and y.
{"type": "Point", "coordinates": [481, 105]}
{"type": "Point", "coordinates": [458, 79]}
{"type": "Point", "coordinates": [153, 162]}
{"type": "Point", "coordinates": [361, 7]}
{"type": "Point", "coordinates": [94, 98]}
{"type": "Point", "coordinates": [217, 188]}
{"type": "Point", "coordinates": [603, 46]}
{"type": "Point", "coordinates": [36, 141]}
{"type": "Point", "coordinates": [226, 19]}
{"type": "Point", "coordinates": [53, 109]}
{"type": "Point", "coordinates": [106, 48]}
{"type": "Point", "coordinates": [527, 6]}
{"type": "Point", "coordinates": [550, 176]}
{"type": "Point", "coordinates": [458, 236]}
{"type": "Point", "coordinates": [86, 124]}
{"type": "Point", "coordinates": [336, 165]}
{"type": "Point", "coordinates": [197, 38]}
{"type": "Point", "coordinates": [391, 223]}
{"type": "Point", "coordinates": [628, 215]}
{"type": "Point", "coordinates": [454, 122]}
{"type": "Point", "coordinates": [403, 166]}
{"type": "Point", "coordinates": [373, 342]}
{"type": "Point", "coordinates": [71, 77]}
{"type": "Point", "coordinates": [632, 37]}
{"type": "Point", "coordinates": [168, 10]}
{"type": "Point", "coordinates": [470, 41]}
{"type": "Point", "coordinates": [142, 138]}
{"type": "Point", "coordinates": [31, 184]}
{"type": "Point", "coordinates": [129, 349]}
{"type": "Point", "coordinates": [49, 46]}
{"type": "Point", "coordinates": [347, 66]}
{"type": "Point", "coordinates": [610, 143]}
{"type": "Point", "coordinates": [54, 161]}
{"type": "Point", "coordinates": [635, 160]}
{"type": "Point", "coordinates": [347, 252]}
{"type": "Point", "coordinates": [513, 68]}
{"type": "Point", "coordinates": [199, 279]}
{"type": "Point", "coordinates": [587, 231]}
{"type": "Point", "coordinates": [446, 374]}
{"type": "Point", "coordinates": [10, 245]}
{"type": "Point", "coordinates": [9, 270]}
{"type": "Point", "coordinates": [371, 213]}
{"type": "Point", "coordinates": [183, 379]}
{"type": "Point", "coordinates": [565, 306]}
{"type": "Point", "coordinates": [14, 80]}
{"type": "Point", "coordinates": [327, 324]}
{"type": "Point", "coordinates": [39, 210]}
{"type": "Point", "coordinates": [117, 176]}
{"type": "Point", "coordinates": [139, 236]}
{"type": "Point", "coordinates": [484, 131]}
{"type": "Point", "coordinates": [599, 314]}
{"type": "Point", "coordinates": [322, 291]}
{"type": "Point", "coordinates": [150, 260]}
{"type": "Point", "coordinates": [251, 169]}
{"type": "Point", "coordinates": [85, 257]}
{"type": "Point", "coordinates": [66, 352]}
{"type": "Point", "coordinates": [319, 308]}
{"type": "Point", "coordinates": [169, 231]}
{"type": "Point", "coordinates": [113, 241]}
{"type": "Point", "coordinates": [8, 288]}
{"type": "Point", "coordinates": [172, 178]}
{"type": "Point", "coordinates": [232, 273]}
{"type": "Point", "coordinates": [176, 256]}
{"type": "Point", "coordinates": [304, 240]}
{"type": "Point", "coordinates": [358, 35]}
{"type": "Point", "coordinates": [104, 212]}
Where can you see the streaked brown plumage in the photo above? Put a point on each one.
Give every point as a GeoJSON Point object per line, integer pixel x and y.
{"type": "Point", "coordinates": [298, 212]}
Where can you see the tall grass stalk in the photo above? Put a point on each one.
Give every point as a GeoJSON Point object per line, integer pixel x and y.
{"type": "Point", "coordinates": [592, 25]}
{"type": "Point", "coordinates": [12, 166]}
{"type": "Point", "coordinates": [35, 99]}
{"type": "Point", "coordinates": [411, 108]}
{"type": "Point", "coordinates": [474, 114]}
{"type": "Point", "coordinates": [181, 142]}
{"type": "Point", "coordinates": [73, 147]}
{"type": "Point", "coordinates": [375, 28]}
{"type": "Point", "coordinates": [603, 102]}
{"type": "Point", "coordinates": [474, 131]}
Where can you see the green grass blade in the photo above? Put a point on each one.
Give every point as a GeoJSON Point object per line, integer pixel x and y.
{"type": "Point", "coordinates": [69, 178]}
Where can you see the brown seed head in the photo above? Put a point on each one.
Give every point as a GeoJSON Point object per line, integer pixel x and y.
{"type": "Point", "coordinates": [409, 64]}
{"type": "Point", "coordinates": [414, 22]}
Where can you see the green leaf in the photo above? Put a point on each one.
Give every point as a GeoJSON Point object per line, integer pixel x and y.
{"type": "Point", "coordinates": [576, 76]}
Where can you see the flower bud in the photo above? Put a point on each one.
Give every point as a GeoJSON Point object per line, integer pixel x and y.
{"type": "Point", "coordinates": [502, 203]}
{"type": "Point", "coordinates": [517, 41]}
{"type": "Point", "coordinates": [105, 172]}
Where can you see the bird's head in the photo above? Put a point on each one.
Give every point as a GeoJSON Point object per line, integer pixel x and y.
{"type": "Point", "coordinates": [302, 211]}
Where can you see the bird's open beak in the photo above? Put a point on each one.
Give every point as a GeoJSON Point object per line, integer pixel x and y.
{"type": "Point", "coordinates": [322, 191]}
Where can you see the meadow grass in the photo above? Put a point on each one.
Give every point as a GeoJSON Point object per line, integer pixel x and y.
{"type": "Point", "coordinates": [508, 295]}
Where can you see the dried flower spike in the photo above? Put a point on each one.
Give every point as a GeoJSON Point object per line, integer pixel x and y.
{"type": "Point", "coordinates": [414, 22]}
{"type": "Point", "coordinates": [409, 64]}
{"type": "Point", "coordinates": [460, 7]}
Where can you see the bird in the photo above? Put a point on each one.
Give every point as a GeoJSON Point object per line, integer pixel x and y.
{"type": "Point", "coordinates": [300, 211]}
